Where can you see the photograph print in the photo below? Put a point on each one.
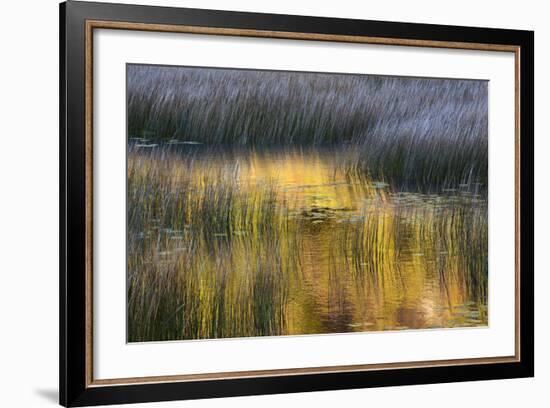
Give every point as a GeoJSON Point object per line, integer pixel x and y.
{"type": "Point", "coordinates": [277, 203]}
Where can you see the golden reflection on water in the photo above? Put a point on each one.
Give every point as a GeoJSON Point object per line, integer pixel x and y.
{"type": "Point", "coordinates": [409, 293]}
{"type": "Point", "coordinates": [336, 254]}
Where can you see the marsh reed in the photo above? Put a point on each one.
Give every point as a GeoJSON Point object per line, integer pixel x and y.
{"type": "Point", "coordinates": [266, 203]}
{"type": "Point", "coordinates": [412, 132]}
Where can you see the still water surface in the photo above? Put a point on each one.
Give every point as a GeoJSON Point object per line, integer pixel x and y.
{"type": "Point", "coordinates": [336, 252]}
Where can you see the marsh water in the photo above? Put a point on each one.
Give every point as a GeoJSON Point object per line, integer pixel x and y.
{"type": "Point", "coordinates": [290, 241]}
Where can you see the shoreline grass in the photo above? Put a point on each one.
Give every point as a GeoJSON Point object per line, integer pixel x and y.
{"type": "Point", "coordinates": [416, 132]}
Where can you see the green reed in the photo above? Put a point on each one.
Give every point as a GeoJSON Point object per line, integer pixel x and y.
{"type": "Point", "coordinates": [213, 256]}
{"type": "Point", "coordinates": [205, 259]}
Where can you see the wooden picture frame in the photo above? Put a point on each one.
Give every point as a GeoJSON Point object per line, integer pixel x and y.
{"type": "Point", "coordinates": [78, 20]}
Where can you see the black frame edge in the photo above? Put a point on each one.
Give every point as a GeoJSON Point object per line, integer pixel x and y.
{"type": "Point", "coordinates": [62, 207]}
{"type": "Point", "coordinates": [527, 195]}
{"type": "Point", "coordinates": [124, 394]}
{"type": "Point", "coordinates": [72, 205]}
{"type": "Point", "coordinates": [72, 388]}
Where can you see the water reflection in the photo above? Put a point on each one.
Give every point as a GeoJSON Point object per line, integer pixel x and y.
{"type": "Point", "coordinates": [284, 242]}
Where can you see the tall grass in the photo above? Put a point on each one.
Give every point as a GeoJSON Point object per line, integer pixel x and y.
{"type": "Point", "coordinates": [212, 255]}
{"type": "Point", "coordinates": [412, 132]}
{"type": "Point", "coordinates": [411, 251]}
{"type": "Point", "coordinates": [269, 203]}
{"type": "Point", "coordinates": [205, 258]}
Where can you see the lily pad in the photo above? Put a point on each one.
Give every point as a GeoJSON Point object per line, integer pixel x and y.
{"type": "Point", "coordinates": [379, 184]}
{"type": "Point", "coordinates": [147, 145]}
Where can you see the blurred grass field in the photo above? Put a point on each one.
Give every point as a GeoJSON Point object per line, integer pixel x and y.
{"type": "Point", "coordinates": [273, 203]}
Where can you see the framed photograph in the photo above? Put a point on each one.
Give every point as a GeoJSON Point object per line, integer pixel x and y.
{"type": "Point", "coordinates": [256, 203]}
